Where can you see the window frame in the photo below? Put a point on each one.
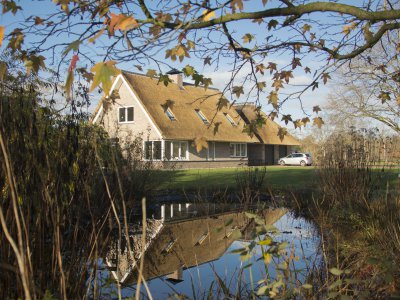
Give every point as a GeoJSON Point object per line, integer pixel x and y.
{"type": "Point", "coordinates": [152, 150]}
{"type": "Point", "coordinates": [170, 114]}
{"type": "Point", "coordinates": [202, 117]}
{"type": "Point", "coordinates": [230, 120]}
{"type": "Point", "coordinates": [240, 145]}
{"type": "Point", "coordinates": [126, 114]}
{"type": "Point", "coordinates": [171, 145]}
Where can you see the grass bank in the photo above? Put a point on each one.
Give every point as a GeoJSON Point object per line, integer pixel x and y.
{"type": "Point", "coordinates": [277, 177]}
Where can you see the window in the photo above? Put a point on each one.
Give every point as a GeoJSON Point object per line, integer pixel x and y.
{"type": "Point", "coordinates": [202, 117]}
{"type": "Point", "coordinates": [238, 150]}
{"type": "Point", "coordinates": [152, 150]}
{"type": "Point", "coordinates": [176, 150]}
{"type": "Point", "coordinates": [170, 115]}
{"type": "Point", "coordinates": [125, 114]}
{"type": "Point", "coordinates": [229, 118]}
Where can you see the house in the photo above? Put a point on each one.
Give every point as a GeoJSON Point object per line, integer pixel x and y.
{"type": "Point", "coordinates": [170, 118]}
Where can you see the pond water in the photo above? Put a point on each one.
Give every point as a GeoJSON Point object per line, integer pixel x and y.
{"type": "Point", "coordinates": [199, 249]}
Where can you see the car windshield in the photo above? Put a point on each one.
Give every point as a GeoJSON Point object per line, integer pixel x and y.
{"type": "Point", "coordinates": [308, 155]}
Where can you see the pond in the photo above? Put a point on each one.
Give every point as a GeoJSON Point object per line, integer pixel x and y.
{"type": "Point", "coordinates": [211, 250]}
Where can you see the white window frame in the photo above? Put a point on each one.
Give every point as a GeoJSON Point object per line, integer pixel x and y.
{"type": "Point", "coordinates": [202, 116]}
{"type": "Point", "coordinates": [152, 150]}
{"type": "Point", "coordinates": [126, 114]}
{"type": "Point", "coordinates": [229, 118]}
{"type": "Point", "coordinates": [235, 154]}
{"type": "Point", "coordinates": [186, 157]}
{"type": "Point", "coordinates": [170, 114]}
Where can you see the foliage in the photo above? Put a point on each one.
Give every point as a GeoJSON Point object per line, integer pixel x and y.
{"type": "Point", "coordinates": [250, 184]}
{"type": "Point", "coordinates": [61, 183]}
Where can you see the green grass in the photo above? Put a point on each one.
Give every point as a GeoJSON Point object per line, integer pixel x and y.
{"type": "Point", "coordinates": [277, 177]}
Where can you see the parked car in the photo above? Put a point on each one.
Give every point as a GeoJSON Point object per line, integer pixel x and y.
{"type": "Point", "coordinates": [301, 159]}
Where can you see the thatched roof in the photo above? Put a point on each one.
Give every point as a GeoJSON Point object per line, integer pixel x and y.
{"type": "Point", "coordinates": [268, 133]}
{"type": "Point", "coordinates": [155, 95]}
{"type": "Point", "coordinates": [186, 252]}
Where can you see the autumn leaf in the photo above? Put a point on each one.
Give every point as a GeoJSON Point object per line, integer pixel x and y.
{"type": "Point", "coordinates": [96, 36]}
{"type": "Point", "coordinates": [16, 40]}
{"type": "Point", "coordinates": [68, 83]}
{"type": "Point", "coordinates": [286, 118]}
{"type": "Point", "coordinates": [103, 71]}
{"type": "Point", "coordinates": [216, 127]}
{"type": "Point", "coordinates": [39, 21]}
{"type": "Point", "coordinates": [237, 4]}
{"type": "Point", "coordinates": [72, 46]}
{"type": "Point", "coordinates": [74, 60]}
{"type": "Point", "coordinates": [238, 90]}
{"type": "Point", "coordinates": [286, 75]}
{"type": "Point", "coordinates": [151, 73]}
{"type": "Point", "coordinates": [316, 109]}
{"type": "Point", "coordinates": [34, 63]}
{"type": "Point", "coordinates": [208, 15]}
{"type": "Point", "coordinates": [306, 27]}
{"type": "Point", "coordinates": [281, 133]}
{"type": "Point", "coordinates": [307, 70]}
{"type": "Point", "coordinates": [247, 38]}
{"type": "Point", "coordinates": [188, 70]}
{"type": "Point", "coordinates": [271, 67]}
{"type": "Point", "coordinates": [222, 102]}
{"type": "Point", "coordinates": [384, 96]}
{"type": "Point", "coordinates": [398, 100]}
{"type": "Point", "coordinates": [272, 24]}
{"type": "Point", "coordinates": [200, 143]}
{"type": "Point", "coordinates": [207, 61]}
{"type": "Point", "coordinates": [318, 122]}
{"type": "Point", "coordinates": [260, 68]}
{"type": "Point", "coordinates": [273, 99]}
{"type": "Point", "coordinates": [277, 84]}
{"type": "Point", "coordinates": [296, 62]}
{"type": "Point", "coordinates": [121, 22]}
{"type": "Point", "coordinates": [298, 123]}
{"type": "Point", "coordinates": [325, 77]}
{"type": "Point", "coordinates": [168, 104]}
{"type": "Point", "coordinates": [261, 85]}
{"type": "Point", "coordinates": [1, 35]}
{"type": "Point", "coordinates": [305, 121]}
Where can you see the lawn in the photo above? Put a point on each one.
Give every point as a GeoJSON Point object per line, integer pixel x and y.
{"type": "Point", "coordinates": [277, 177]}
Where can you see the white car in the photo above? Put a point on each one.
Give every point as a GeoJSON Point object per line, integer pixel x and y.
{"type": "Point", "coordinates": [301, 159]}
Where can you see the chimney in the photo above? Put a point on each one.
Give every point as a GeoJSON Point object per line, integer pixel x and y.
{"type": "Point", "coordinates": [176, 76]}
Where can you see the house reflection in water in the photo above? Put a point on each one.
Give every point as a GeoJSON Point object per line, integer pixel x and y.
{"type": "Point", "coordinates": [180, 236]}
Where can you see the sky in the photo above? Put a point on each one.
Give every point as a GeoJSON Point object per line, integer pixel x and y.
{"type": "Point", "coordinates": [221, 76]}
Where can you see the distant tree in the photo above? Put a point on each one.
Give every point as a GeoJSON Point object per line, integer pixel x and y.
{"type": "Point", "coordinates": [369, 87]}
{"type": "Point", "coordinates": [90, 37]}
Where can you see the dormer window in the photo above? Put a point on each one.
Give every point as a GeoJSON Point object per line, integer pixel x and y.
{"type": "Point", "coordinates": [125, 114]}
{"type": "Point", "coordinates": [229, 118]}
{"type": "Point", "coordinates": [202, 117]}
{"type": "Point", "coordinates": [170, 115]}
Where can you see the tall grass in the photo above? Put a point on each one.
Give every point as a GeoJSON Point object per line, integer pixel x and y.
{"type": "Point", "coordinates": [64, 187]}
{"type": "Point", "coordinates": [359, 218]}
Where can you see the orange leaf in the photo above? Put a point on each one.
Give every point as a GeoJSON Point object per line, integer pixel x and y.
{"type": "Point", "coordinates": [1, 35]}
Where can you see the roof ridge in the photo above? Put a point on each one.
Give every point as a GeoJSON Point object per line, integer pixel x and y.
{"type": "Point", "coordinates": [184, 83]}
